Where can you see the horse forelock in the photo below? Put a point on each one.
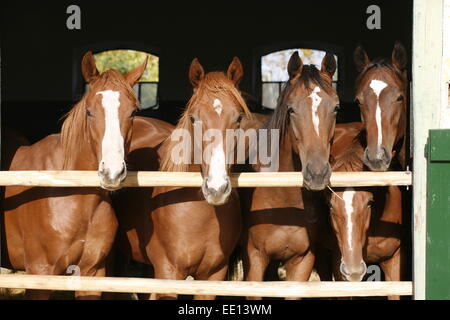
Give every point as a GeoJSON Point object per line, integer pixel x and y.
{"type": "Point", "coordinates": [112, 79]}
{"type": "Point", "coordinates": [350, 159]}
{"type": "Point", "coordinates": [388, 72]}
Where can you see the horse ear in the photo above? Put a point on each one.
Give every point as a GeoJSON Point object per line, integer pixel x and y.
{"type": "Point", "coordinates": [235, 71]}
{"type": "Point", "coordinates": [88, 67]}
{"type": "Point", "coordinates": [133, 76]}
{"type": "Point", "coordinates": [295, 66]}
{"type": "Point", "coordinates": [196, 72]}
{"type": "Point", "coordinates": [399, 56]}
{"type": "Point", "coordinates": [329, 64]}
{"type": "Point", "coordinates": [360, 58]}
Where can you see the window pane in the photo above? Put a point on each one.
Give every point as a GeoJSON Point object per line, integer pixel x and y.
{"type": "Point", "coordinates": [274, 65]}
{"type": "Point", "coordinates": [136, 89]}
{"type": "Point", "coordinates": [270, 92]}
{"type": "Point", "coordinates": [149, 95]}
{"type": "Point", "coordinates": [126, 60]}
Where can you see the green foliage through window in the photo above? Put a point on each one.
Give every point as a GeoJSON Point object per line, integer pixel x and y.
{"type": "Point", "coordinates": [126, 60]}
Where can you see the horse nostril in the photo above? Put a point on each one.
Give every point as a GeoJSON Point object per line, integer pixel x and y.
{"type": "Point", "coordinates": [364, 268]}
{"type": "Point", "coordinates": [223, 187]}
{"type": "Point", "coordinates": [343, 269]}
{"type": "Point", "coordinates": [307, 174]}
{"type": "Point", "coordinates": [386, 155]}
{"type": "Point", "coordinates": [122, 171]}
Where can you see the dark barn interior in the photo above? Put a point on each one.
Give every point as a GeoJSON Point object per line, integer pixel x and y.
{"type": "Point", "coordinates": [41, 76]}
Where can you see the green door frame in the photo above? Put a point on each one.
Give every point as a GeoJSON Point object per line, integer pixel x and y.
{"type": "Point", "coordinates": [437, 152]}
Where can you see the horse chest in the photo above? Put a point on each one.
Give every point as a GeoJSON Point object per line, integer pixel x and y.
{"type": "Point", "coordinates": [280, 242]}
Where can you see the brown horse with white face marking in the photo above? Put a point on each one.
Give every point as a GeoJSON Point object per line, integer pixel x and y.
{"type": "Point", "coordinates": [192, 231]}
{"type": "Point", "coordinates": [276, 225]}
{"type": "Point", "coordinates": [367, 222]}
{"type": "Point", "coordinates": [381, 92]}
{"type": "Point", "coordinates": [49, 229]}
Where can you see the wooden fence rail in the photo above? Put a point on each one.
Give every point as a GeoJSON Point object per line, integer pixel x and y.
{"type": "Point", "coordinates": [194, 179]}
{"type": "Point", "coordinates": [313, 289]}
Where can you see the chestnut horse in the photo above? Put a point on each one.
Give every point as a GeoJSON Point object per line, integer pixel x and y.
{"type": "Point", "coordinates": [276, 225]}
{"type": "Point", "coordinates": [381, 92]}
{"type": "Point", "coordinates": [49, 230]}
{"type": "Point", "coordinates": [367, 222]}
{"type": "Point", "coordinates": [184, 232]}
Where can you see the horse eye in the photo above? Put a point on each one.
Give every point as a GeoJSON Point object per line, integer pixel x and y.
{"type": "Point", "coordinates": [400, 98]}
{"type": "Point", "coordinates": [370, 203]}
{"type": "Point", "coordinates": [290, 110]}
{"type": "Point", "coordinates": [239, 119]}
{"type": "Point", "coordinates": [330, 205]}
{"type": "Point", "coordinates": [336, 108]}
{"type": "Point", "coordinates": [192, 119]}
{"type": "Point", "coordinates": [89, 113]}
{"type": "Point", "coordinates": [358, 102]}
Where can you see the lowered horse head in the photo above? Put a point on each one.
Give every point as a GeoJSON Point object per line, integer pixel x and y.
{"type": "Point", "coordinates": [100, 124]}
{"type": "Point", "coordinates": [381, 92]}
{"type": "Point", "coordinates": [215, 107]}
{"type": "Point", "coordinates": [306, 113]}
{"type": "Point", "coordinates": [350, 213]}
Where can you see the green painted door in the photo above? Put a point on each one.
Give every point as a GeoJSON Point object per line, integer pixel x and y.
{"type": "Point", "coordinates": [438, 215]}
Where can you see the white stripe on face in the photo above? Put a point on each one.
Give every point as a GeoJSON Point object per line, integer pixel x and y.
{"type": "Point", "coordinates": [113, 144]}
{"type": "Point", "coordinates": [217, 105]}
{"type": "Point", "coordinates": [217, 171]}
{"type": "Point", "coordinates": [378, 86]}
{"type": "Point", "coordinates": [315, 105]}
{"type": "Point", "coordinates": [348, 201]}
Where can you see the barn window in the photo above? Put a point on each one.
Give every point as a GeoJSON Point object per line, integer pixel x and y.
{"type": "Point", "coordinates": [274, 71]}
{"type": "Point", "coordinates": [125, 60]}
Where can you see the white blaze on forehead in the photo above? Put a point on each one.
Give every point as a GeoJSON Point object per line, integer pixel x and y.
{"type": "Point", "coordinates": [348, 195]}
{"type": "Point", "coordinates": [217, 170]}
{"type": "Point", "coordinates": [112, 144]}
{"type": "Point", "coordinates": [315, 105]}
{"type": "Point", "coordinates": [217, 105]}
{"type": "Point", "coordinates": [378, 86]}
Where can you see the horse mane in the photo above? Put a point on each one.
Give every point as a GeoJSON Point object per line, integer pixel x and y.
{"type": "Point", "coordinates": [350, 160]}
{"type": "Point", "coordinates": [310, 76]}
{"type": "Point", "coordinates": [379, 63]}
{"type": "Point", "coordinates": [74, 128]}
{"type": "Point", "coordinates": [215, 85]}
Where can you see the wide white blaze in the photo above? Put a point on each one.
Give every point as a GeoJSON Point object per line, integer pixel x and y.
{"type": "Point", "coordinates": [217, 105]}
{"type": "Point", "coordinates": [112, 144]}
{"type": "Point", "coordinates": [378, 86]}
{"type": "Point", "coordinates": [348, 195]}
{"type": "Point", "coordinates": [316, 100]}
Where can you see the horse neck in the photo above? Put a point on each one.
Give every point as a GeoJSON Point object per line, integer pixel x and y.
{"type": "Point", "coordinates": [391, 208]}
{"type": "Point", "coordinates": [286, 157]}
{"type": "Point", "coordinates": [86, 158]}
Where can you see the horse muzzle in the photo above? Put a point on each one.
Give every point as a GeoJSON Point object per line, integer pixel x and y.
{"type": "Point", "coordinates": [354, 274]}
{"type": "Point", "coordinates": [316, 177]}
{"type": "Point", "coordinates": [380, 162]}
{"type": "Point", "coordinates": [111, 179]}
{"type": "Point", "coordinates": [217, 195]}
